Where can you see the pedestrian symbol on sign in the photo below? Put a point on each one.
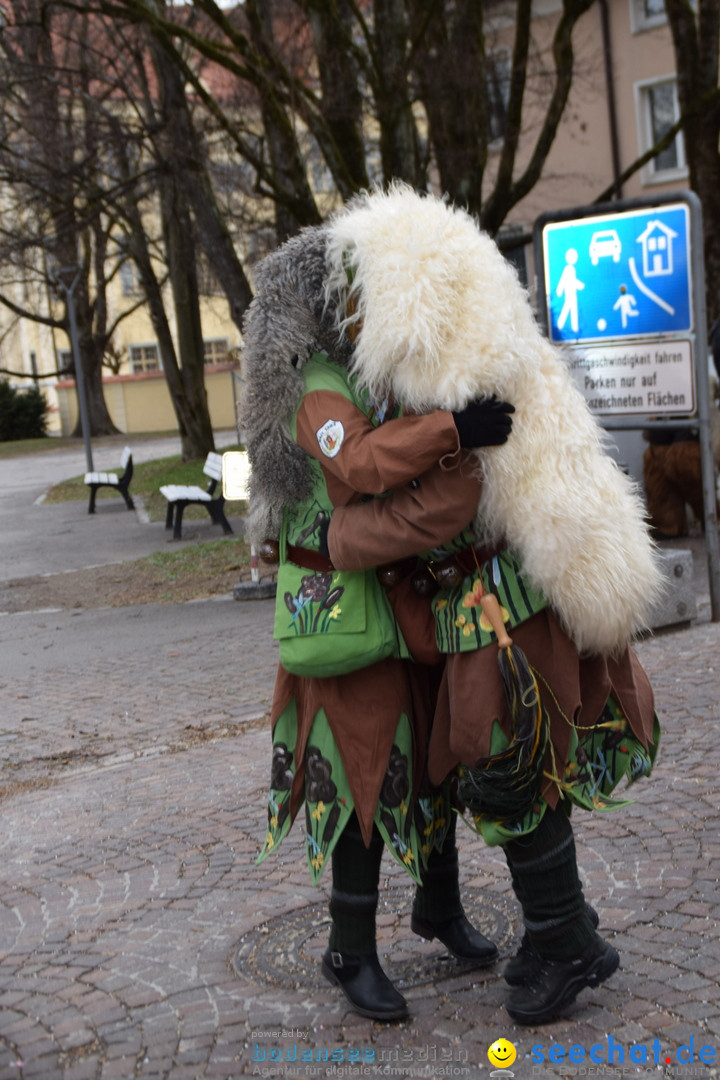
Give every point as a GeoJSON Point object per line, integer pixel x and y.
{"type": "Point", "coordinates": [568, 287]}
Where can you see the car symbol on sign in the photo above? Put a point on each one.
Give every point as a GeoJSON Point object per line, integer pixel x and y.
{"type": "Point", "coordinates": [604, 244]}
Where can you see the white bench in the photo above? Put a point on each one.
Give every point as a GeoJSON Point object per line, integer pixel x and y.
{"type": "Point", "coordinates": [121, 483]}
{"type": "Point", "coordinates": [181, 495]}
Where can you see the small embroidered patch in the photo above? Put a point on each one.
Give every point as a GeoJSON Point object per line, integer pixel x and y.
{"type": "Point", "coordinates": [330, 437]}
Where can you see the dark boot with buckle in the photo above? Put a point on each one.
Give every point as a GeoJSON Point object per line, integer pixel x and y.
{"type": "Point", "coordinates": [365, 985]}
{"type": "Point", "coordinates": [351, 961]}
{"type": "Point", "coordinates": [438, 913]}
{"type": "Point", "coordinates": [569, 954]}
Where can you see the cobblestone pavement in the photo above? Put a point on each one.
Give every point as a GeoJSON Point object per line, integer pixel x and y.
{"type": "Point", "coordinates": [137, 939]}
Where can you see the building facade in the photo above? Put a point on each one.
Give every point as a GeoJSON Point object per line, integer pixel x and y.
{"type": "Point", "coordinates": [623, 99]}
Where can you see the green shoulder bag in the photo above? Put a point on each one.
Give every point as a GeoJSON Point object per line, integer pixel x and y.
{"type": "Point", "coordinates": [332, 623]}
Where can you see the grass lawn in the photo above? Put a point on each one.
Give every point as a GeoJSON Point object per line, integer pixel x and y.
{"type": "Point", "coordinates": [17, 447]}
{"type": "Point", "coordinates": [46, 445]}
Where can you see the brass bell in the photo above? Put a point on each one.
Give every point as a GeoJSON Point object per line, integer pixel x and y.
{"type": "Point", "coordinates": [269, 552]}
{"type": "Point", "coordinates": [448, 575]}
{"type": "Point", "coordinates": [423, 582]}
{"type": "Point", "coordinates": [388, 576]}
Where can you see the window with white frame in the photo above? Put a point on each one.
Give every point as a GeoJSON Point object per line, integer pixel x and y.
{"type": "Point", "coordinates": [646, 14]}
{"type": "Point", "coordinates": [129, 279]}
{"type": "Point", "coordinates": [658, 111]}
{"type": "Point", "coordinates": [208, 284]}
{"type": "Point", "coordinates": [216, 350]}
{"type": "Point", "coordinates": [144, 358]}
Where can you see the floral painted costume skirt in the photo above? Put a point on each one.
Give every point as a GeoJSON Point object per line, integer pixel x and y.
{"type": "Point", "coordinates": [599, 712]}
{"type": "Point", "coordinates": [348, 744]}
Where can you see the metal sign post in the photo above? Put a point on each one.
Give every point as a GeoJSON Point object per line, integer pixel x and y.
{"type": "Point", "coordinates": [622, 287]}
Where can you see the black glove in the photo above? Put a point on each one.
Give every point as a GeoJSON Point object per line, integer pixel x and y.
{"type": "Point", "coordinates": [484, 423]}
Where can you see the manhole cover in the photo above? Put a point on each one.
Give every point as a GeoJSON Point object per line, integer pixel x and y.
{"type": "Point", "coordinates": [286, 951]}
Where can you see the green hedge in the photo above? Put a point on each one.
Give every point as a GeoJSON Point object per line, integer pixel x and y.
{"type": "Point", "coordinates": [23, 412]}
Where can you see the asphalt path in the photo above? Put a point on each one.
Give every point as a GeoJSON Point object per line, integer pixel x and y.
{"type": "Point", "coordinates": [38, 538]}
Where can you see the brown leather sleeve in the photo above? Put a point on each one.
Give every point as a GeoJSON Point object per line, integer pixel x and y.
{"type": "Point", "coordinates": [410, 520]}
{"type": "Point", "coordinates": [371, 460]}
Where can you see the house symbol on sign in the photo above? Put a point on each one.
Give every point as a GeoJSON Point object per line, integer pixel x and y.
{"type": "Point", "coordinates": [657, 245]}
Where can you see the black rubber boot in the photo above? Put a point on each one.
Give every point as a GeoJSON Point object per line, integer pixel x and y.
{"type": "Point", "coordinates": [438, 912]}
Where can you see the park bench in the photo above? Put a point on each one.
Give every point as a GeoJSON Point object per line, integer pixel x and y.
{"type": "Point", "coordinates": [181, 495]}
{"type": "Point", "coordinates": [121, 483]}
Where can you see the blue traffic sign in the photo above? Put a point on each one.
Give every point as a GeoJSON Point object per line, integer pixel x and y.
{"type": "Point", "coordinates": [618, 276]}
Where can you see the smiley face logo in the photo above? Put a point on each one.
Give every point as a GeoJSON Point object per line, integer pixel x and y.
{"type": "Point", "coordinates": [502, 1053]}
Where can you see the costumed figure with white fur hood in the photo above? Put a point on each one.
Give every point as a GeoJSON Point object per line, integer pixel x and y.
{"type": "Point", "coordinates": [543, 703]}
{"type": "Point", "coordinates": [359, 668]}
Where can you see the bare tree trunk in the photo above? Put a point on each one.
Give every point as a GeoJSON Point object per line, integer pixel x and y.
{"type": "Point", "coordinates": [399, 151]}
{"type": "Point", "coordinates": [190, 162]}
{"type": "Point", "coordinates": [286, 158]}
{"type": "Point", "coordinates": [696, 39]}
{"type": "Point", "coordinates": [196, 432]}
{"type": "Point", "coordinates": [41, 165]}
{"type": "Point", "coordinates": [341, 104]}
{"type": "Point", "coordinates": [91, 354]}
{"type": "Point", "coordinates": [186, 381]}
{"type": "Point", "coordinates": [137, 246]}
{"type": "Point", "coordinates": [449, 63]}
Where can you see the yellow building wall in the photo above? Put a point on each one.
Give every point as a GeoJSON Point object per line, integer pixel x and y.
{"type": "Point", "coordinates": [140, 404]}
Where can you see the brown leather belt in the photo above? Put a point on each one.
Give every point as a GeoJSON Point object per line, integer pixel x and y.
{"type": "Point", "coordinates": [390, 573]}
{"type": "Point", "coordinates": [469, 559]}
{"type": "Point", "coordinates": [309, 559]}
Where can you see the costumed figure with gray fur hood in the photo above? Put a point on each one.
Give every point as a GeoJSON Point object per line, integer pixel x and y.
{"type": "Point", "coordinates": [358, 677]}
{"type": "Point", "coordinates": [557, 547]}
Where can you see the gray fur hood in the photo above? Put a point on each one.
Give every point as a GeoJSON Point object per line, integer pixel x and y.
{"type": "Point", "coordinates": [290, 317]}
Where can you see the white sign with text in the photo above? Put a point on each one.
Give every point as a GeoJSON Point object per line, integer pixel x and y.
{"type": "Point", "coordinates": [621, 380]}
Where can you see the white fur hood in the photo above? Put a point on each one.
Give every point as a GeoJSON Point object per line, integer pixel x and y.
{"type": "Point", "coordinates": [443, 320]}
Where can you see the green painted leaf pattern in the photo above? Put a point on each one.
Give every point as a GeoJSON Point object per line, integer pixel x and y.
{"type": "Point", "coordinates": [282, 771]}
{"type": "Point", "coordinates": [597, 761]}
{"type": "Point", "coordinates": [433, 820]}
{"type": "Point", "coordinates": [328, 802]}
{"type": "Point", "coordinates": [394, 817]}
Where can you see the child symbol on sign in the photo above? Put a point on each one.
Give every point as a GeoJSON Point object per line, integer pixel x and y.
{"type": "Point", "coordinates": [626, 305]}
